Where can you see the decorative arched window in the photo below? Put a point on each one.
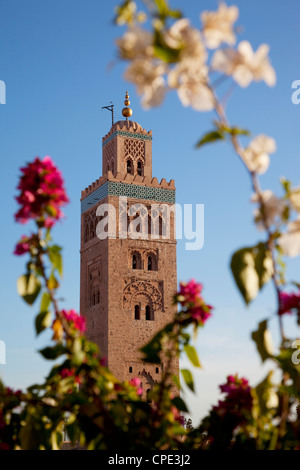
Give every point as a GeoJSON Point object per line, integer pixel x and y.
{"type": "Point", "coordinates": [129, 166]}
{"type": "Point", "coordinates": [149, 226]}
{"type": "Point", "coordinates": [137, 312]}
{"type": "Point", "coordinates": [136, 261]}
{"type": "Point", "coordinates": [156, 370]}
{"type": "Point", "coordinates": [140, 169]}
{"type": "Point", "coordinates": [130, 370]}
{"type": "Point", "coordinates": [151, 262]}
{"type": "Point", "coordinates": [148, 313]}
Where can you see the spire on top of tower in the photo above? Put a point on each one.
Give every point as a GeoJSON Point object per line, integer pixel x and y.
{"type": "Point", "coordinates": [127, 112]}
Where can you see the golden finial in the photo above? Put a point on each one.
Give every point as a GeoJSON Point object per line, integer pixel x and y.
{"type": "Point", "coordinates": [127, 112]}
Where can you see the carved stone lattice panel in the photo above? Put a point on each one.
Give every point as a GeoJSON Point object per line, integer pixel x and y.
{"type": "Point", "coordinates": [134, 289]}
{"type": "Point", "coordinates": [90, 222]}
{"type": "Point", "coordinates": [109, 156]}
{"type": "Point", "coordinates": [134, 149]}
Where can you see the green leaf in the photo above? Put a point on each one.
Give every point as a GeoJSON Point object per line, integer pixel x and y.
{"type": "Point", "coordinates": [166, 54]}
{"type": "Point", "coordinates": [152, 350]}
{"type": "Point", "coordinates": [238, 131]}
{"type": "Point", "coordinates": [52, 282]}
{"type": "Point", "coordinates": [251, 267]}
{"type": "Point", "coordinates": [42, 321]}
{"type": "Point", "coordinates": [266, 395]}
{"type": "Point", "coordinates": [176, 381]}
{"type": "Point", "coordinates": [56, 258]}
{"type": "Point", "coordinates": [210, 137]}
{"type": "Point", "coordinates": [28, 287]}
{"type": "Point", "coordinates": [46, 299]}
{"type": "Point", "coordinates": [188, 378]}
{"type": "Point", "coordinates": [192, 355]}
{"type": "Point", "coordinates": [180, 404]}
{"type": "Point", "coordinates": [53, 352]}
{"type": "Point", "coordinates": [262, 338]}
{"type": "Point", "coordinates": [162, 7]}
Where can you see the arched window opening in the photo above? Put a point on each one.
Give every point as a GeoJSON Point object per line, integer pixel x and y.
{"type": "Point", "coordinates": [136, 261]}
{"type": "Point", "coordinates": [156, 370]}
{"type": "Point", "coordinates": [129, 166]}
{"type": "Point", "coordinates": [149, 226]}
{"type": "Point", "coordinates": [130, 370]}
{"type": "Point", "coordinates": [148, 313]}
{"type": "Point", "coordinates": [140, 168]}
{"type": "Point", "coordinates": [150, 263]}
{"type": "Point", "coordinates": [137, 312]}
{"type": "Point", "coordinates": [160, 226]}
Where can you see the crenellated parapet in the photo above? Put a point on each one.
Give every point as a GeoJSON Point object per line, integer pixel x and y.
{"type": "Point", "coordinates": [129, 179]}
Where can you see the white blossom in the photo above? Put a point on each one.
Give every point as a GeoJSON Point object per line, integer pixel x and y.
{"type": "Point", "coordinates": [183, 36]}
{"type": "Point", "coordinates": [256, 155]}
{"type": "Point", "coordinates": [189, 76]}
{"type": "Point", "coordinates": [295, 199]}
{"type": "Point", "coordinates": [290, 241]}
{"type": "Point", "coordinates": [244, 64]}
{"type": "Point", "coordinates": [147, 75]}
{"type": "Point", "coordinates": [136, 42]}
{"type": "Point", "coordinates": [218, 25]}
{"type": "Point", "coordinates": [273, 209]}
{"type": "Point", "coordinates": [191, 86]}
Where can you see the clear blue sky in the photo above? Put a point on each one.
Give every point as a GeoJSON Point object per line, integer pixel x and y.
{"type": "Point", "coordinates": [55, 59]}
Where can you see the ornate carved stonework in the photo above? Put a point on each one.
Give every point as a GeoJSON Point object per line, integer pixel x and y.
{"type": "Point", "coordinates": [134, 149]}
{"type": "Point", "coordinates": [135, 288]}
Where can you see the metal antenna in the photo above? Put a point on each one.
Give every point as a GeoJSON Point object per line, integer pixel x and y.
{"type": "Point", "coordinates": [111, 109]}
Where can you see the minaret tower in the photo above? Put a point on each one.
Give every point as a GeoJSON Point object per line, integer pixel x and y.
{"type": "Point", "coordinates": [128, 252]}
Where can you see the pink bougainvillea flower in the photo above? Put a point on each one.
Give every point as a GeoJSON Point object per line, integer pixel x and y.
{"type": "Point", "coordinates": [288, 302]}
{"type": "Point", "coordinates": [136, 382]}
{"type": "Point", "coordinates": [177, 416]}
{"type": "Point", "coordinates": [64, 373]}
{"type": "Point", "coordinates": [189, 292]}
{"type": "Point", "coordinates": [42, 193]}
{"type": "Point", "coordinates": [189, 296]}
{"type": "Point", "coordinates": [76, 320]}
{"type": "Point", "coordinates": [238, 397]}
{"type": "Point", "coordinates": [22, 246]}
{"type": "Point", "coordinates": [201, 313]}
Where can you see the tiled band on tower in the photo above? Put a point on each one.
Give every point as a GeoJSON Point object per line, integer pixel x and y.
{"type": "Point", "coordinates": [127, 284]}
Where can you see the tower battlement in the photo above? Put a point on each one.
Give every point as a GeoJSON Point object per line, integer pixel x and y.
{"type": "Point", "coordinates": [128, 178]}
